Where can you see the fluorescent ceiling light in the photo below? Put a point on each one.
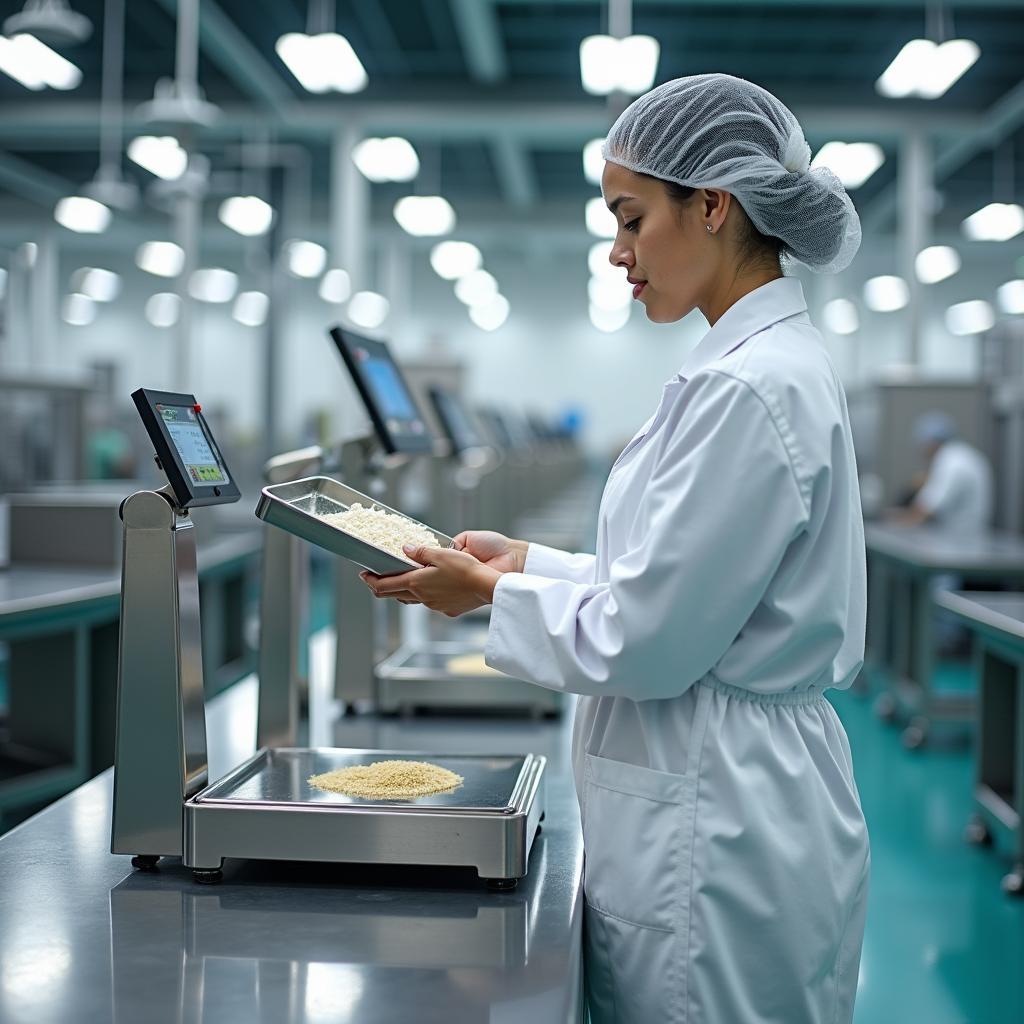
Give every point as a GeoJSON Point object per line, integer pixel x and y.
{"type": "Point", "coordinates": [936, 263]}
{"type": "Point", "coordinates": [213, 284]}
{"type": "Point", "coordinates": [79, 213]}
{"type": "Point", "coordinates": [368, 309]}
{"type": "Point", "coordinates": [1011, 296]}
{"type": "Point", "coordinates": [997, 222]}
{"type": "Point", "coordinates": [97, 284]}
{"type": "Point", "coordinates": [78, 310]}
{"type": "Point", "coordinates": [322, 62]}
{"type": "Point", "coordinates": [425, 215]}
{"type": "Point", "coordinates": [305, 259]}
{"type": "Point", "coordinates": [886, 294]}
{"type": "Point", "coordinates": [851, 162]}
{"type": "Point", "coordinates": [390, 159]}
{"type": "Point", "coordinates": [161, 155]}
{"type": "Point", "coordinates": [32, 63]}
{"type": "Point", "coordinates": [600, 220]}
{"type": "Point", "coordinates": [598, 260]}
{"type": "Point", "coordinates": [476, 288]}
{"type": "Point", "coordinates": [248, 215]}
{"type": "Point", "coordinates": [624, 65]}
{"type": "Point", "coordinates": [609, 320]}
{"type": "Point", "coordinates": [593, 162]}
{"type": "Point", "coordinates": [162, 309]}
{"type": "Point", "coordinates": [3, 282]}
{"type": "Point", "coordinates": [336, 286]}
{"type": "Point", "coordinates": [452, 260]}
{"type": "Point", "coordinates": [926, 69]}
{"type": "Point", "coordinates": [970, 317]}
{"type": "Point", "coordinates": [251, 308]}
{"type": "Point", "coordinates": [609, 293]}
{"type": "Point", "coordinates": [841, 316]}
{"type": "Point", "coordinates": [165, 259]}
{"type": "Point", "coordinates": [490, 315]}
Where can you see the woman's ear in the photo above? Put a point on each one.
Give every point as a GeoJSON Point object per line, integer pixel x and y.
{"type": "Point", "coordinates": [714, 206]}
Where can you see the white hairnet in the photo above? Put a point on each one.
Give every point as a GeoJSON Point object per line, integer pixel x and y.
{"type": "Point", "coordinates": [934, 428]}
{"type": "Point", "coordinates": [716, 131]}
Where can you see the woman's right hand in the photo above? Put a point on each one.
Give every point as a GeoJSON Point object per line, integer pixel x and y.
{"type": "Point", "coordinates": [494, 550]}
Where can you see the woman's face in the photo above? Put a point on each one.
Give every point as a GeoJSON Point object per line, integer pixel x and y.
{"type": "Point", "coordinates": [662, 244]}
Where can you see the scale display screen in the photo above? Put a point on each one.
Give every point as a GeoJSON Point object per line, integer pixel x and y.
{"type": "Point", "coordinates": [189, 439]}
{"type": "Point", "coordinates": [185, 448]}
{"type": "Point", "coordinates": [458, 425]}
{"type": "Point", "coordinates": [389, 402]}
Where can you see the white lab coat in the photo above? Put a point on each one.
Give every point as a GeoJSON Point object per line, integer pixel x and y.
{"type": "Point", "coordinates": [726, 852]}
{"type": "Point", "coordinates": [958, 493]}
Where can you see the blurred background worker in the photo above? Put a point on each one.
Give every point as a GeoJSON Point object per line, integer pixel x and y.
{"type": "Point", "coordinates": [957, 489]}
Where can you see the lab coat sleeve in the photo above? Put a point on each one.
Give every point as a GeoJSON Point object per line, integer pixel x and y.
{"type": "Point", "coordinates": [560, 565]}
{"type": "Point", "coordinates": [719, 511]}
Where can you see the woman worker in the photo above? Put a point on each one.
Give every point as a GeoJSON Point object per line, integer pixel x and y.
{"type": "Point", "coordinates": [726, 853]}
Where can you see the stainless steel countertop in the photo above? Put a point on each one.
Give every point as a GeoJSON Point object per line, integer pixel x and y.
{"type": "Point", "coordinates": [1000, 613]}
{"type": "Point", "coordinates": [26, 590]}
{"type": "Point", "coordinates": [83, 938]}
{"type": "Point", "coordinates": [927, 548]}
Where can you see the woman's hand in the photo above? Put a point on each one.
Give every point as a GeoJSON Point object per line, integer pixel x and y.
{"type": "Point", "coordinates": [494, 550]}
{"type": "Point", "coordinates": [451, 582]}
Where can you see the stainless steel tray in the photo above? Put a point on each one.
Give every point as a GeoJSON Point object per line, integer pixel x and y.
{"type": "Point", "coordinates": [297, 506]}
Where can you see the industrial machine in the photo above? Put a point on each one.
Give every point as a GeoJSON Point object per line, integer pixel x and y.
{"type": "Point", "coordinates": [265, 808]}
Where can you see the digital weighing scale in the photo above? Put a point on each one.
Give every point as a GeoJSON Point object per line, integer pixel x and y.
{"type": "Point", "coordinates": [264, 809]}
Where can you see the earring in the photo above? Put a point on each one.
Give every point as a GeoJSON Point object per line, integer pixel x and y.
{"type": "Point", "coordinates": [711, 230]}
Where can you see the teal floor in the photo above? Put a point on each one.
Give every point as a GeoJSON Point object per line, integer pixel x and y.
{"type": "Point", "coordinates": [943, 945]}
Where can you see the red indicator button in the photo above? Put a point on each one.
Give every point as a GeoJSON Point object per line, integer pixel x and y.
{"type": "Point", "coordinates": [197, 407]}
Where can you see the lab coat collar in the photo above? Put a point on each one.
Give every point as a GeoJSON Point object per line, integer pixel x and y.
{"type": "Point", "coordinates": [777, 300]}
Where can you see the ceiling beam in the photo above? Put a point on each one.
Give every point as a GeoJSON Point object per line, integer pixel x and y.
{"type": "Point", "coordinates": [548, 124]}
{"type": "Point", "coordinates": [482, 46]}
{"type": "Point", "coordinates": [31, 182]}
{"type": "Point", "coordinates": [233, 52]}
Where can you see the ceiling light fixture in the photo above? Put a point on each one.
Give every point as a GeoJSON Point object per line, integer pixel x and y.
{"type": "Point", "coordinates": [851, 162]}
{"type": "Point", "coordinates": [626, 65]}
{"type": "Point", "coordinates": [997, 222]}
{"type": "Point", "coordinates": [452, 260]}
{"type": "Point", "coordinates": [165, 259]}
{"type": "Point", "coordinates": [82, 214]}
{"type": "Point", "coordinates": [886, 294]}
{"type": "Point", "coordinates": [936, 263]}
{"type": "Point", "coordinates": [368, 309]}
{"type": "Point", "coordinates": [305, 259]}
{"type": "Point", "coordinates": [390, 159]}
{"type": "Point", "coordinates": [972, 317]}
{"type": "Point", "coordinates": [322, 62]}
{"type": "Point", "coordinates": [248, 215]}
{"type": "Point", "coordinates": [425, 215]}
{"type": "Point", "coordinates": [161, 155]}
{"type": "Point", "coordinates": [927, 69]}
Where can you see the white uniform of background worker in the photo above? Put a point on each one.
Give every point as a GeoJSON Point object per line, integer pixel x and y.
{"type": "Point", "coordinates": [957, 494]}
{"type": "Point", "coordinates": [726, 853]}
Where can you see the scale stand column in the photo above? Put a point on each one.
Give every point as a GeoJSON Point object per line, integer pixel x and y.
{"type": "Point", "coordinates": [160, 747]}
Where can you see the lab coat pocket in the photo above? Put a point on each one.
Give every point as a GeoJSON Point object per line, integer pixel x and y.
{"type": "Point", "coordinates": [635, 822]}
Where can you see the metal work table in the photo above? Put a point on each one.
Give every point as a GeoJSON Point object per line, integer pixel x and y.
{"type": "Point", "coordinates": [61, 629]}
{"type": "Point", "coordinates": [902, 563]}
{"type": "Point", "coordinates": [997, 622]}
{"type": "Point", "coordinates": [83, 938]}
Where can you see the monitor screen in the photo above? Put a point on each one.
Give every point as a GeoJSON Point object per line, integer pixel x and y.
{"type": "Point", "coordinates": [458, 425]}
{"type": "Point", "coordinates": [388, 400]}
{"type": "Point", "coordinates": [192, 445]}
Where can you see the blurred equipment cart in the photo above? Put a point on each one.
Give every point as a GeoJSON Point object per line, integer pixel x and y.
{"type": "Point", "coordinates": [902, 563]}
{"type": "Point", "coordinates": [997, 622]}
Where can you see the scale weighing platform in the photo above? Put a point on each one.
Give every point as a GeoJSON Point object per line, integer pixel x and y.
{"type": "Point", "coordinates": [265, 808]}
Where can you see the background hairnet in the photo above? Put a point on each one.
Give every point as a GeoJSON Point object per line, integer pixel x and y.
{"type": "Point", "coordinates": [716, 131]}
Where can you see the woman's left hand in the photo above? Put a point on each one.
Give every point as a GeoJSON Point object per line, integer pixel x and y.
{"type": "Point", "coordinates": [450, 582]}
